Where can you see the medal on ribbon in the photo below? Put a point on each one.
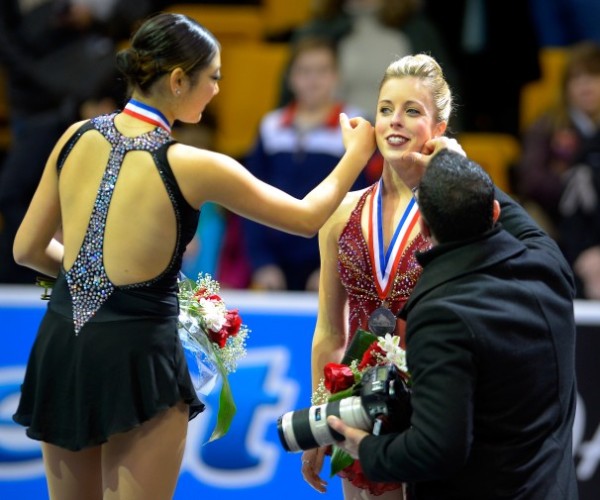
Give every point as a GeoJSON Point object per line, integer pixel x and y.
{"type": "Point", "coordinates": [385, 264]}
{"type": "Point", "coordinates": [382, 321]}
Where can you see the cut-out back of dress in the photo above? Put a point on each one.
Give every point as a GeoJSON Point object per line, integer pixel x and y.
{"type": "Point", "coordinates": [87, 279]}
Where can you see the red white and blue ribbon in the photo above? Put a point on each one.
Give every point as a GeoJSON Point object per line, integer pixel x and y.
{"type": "Point", "coordinates": [385, 264]}
{"type": "Point", "coordinates": [147, 114]}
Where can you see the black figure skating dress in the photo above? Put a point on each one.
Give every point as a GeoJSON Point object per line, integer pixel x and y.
{"type": "Point", "coordinates": [108, 358]}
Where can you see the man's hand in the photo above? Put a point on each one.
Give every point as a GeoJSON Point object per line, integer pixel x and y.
{"type": "Point", "coordinates": [353, 436]}
{"type": "Point", "coordinates": [432, 146]}
{"type": "Point", "coordinates": [412, 165]}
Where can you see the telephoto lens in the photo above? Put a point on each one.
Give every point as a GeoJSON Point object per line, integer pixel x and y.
{"type": "Point", "coordinates": [382, 392]}
{"type": "Point", "coordinates": [307, 428]}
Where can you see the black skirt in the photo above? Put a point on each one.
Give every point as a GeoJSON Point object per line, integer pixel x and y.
{"type": "Point", "coordinates": [117, 373]}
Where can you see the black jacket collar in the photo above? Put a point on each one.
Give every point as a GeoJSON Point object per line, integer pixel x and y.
{"type": "Point", "coordinates": [448, 261]}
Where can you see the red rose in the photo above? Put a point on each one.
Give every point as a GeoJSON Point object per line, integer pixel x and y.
{"type": "Point", "coordinates": [370, 356]}
{"type": "Point", "coordinates": [202, 293]}
{"type": "Point", "coordinates": [233, 322]}
{"type": "Point", "coordinates": [231, 328]}
{"type": "Point", "coordinates": [338, 377]}
{"type": "Point", "coordinates": [219, 337]}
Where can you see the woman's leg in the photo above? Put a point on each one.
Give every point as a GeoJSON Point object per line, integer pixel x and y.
{"type": "Point", "coordinates": [73, 475]}
{"type": "Point", "coordinates": [351, 492]}
{"type": "Point", "coordinates": [144, 463]}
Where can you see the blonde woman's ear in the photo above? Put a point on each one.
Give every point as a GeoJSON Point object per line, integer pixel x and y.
{"type": "Point", "coordinates": [440, 129]}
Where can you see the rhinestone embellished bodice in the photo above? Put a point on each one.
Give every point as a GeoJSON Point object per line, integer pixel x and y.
{"type": "Point", "coordinates": [87, 280]}
{"type": "Point", "coordinates": [356, 272]}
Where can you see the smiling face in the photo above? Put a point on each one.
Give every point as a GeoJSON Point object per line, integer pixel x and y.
{"type": "Point", "coordinates": [406, 117]}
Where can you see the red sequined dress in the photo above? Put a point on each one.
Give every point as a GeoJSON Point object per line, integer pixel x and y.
{"type": "Point", "coordinates": [356, 275]}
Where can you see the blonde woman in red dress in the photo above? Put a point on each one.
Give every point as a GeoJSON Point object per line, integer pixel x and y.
{"type": "Point", "coordinates": [367, 247]}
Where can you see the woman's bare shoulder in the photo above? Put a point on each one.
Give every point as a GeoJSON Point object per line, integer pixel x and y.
{"type": "Point", "coordinates": [349, 203]}
{"type": "Point", "coordinates": [341, 215]}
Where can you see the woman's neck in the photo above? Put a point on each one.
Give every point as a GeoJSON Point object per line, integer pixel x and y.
{"type": "Point", "coordinates": [149, 107]}
{"type": "Point", "coordinates": [149, 101]}
{"type": "Point", "coordinates": [393, 185]}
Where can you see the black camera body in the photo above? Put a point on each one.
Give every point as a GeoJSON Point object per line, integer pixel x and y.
{"type": "Point", "coordinates": [385, 396]}
{"type": "Point", "coordinates": [381, 403]}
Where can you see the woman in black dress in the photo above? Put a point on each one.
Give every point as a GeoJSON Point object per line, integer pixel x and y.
{"type": "Point", "coordinates": [107, 389]}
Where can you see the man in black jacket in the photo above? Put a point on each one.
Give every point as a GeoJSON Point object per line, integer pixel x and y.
{"type": "Point", "coordinates": [490, 348]}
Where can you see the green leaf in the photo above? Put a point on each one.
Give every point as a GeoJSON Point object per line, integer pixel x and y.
{"type": "Point", "coordinates": [339, 460]}
{"type": "Point", "coordinates": [346, 393]}
{"type": "Point", "coordinates": [227, 408]}
{"type": "Point", "coordinates": [360, 343]}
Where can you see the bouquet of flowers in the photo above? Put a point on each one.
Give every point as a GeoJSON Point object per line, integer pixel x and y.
{"type": "Point", "coordinates": [214, 339]}
{"type": "Point", "coordinates": [340, 379]}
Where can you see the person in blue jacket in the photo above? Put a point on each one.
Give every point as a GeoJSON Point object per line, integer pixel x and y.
{"type": "Point", "coordinates": [297, 145]}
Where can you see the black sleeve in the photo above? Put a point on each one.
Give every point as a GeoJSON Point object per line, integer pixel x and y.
{"type": "Point", "coordinates": [440, 436]}
{"type": "Point", "coordinates": [519, 223]}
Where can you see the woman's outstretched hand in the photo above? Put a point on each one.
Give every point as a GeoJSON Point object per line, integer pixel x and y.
{"type": "Point", "coordinates": [358, 135]}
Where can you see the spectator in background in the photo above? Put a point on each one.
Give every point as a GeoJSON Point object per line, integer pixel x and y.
{"type": "Point", "coordinates": [369, 34]}
{"type": "Point", "coordinates": [297, 145]}
{"type": "Point", "coordinates": [495, 50]}
{"type": "Point", "coordinates": [580, 224]}
{"type": "Point", "coordinates": [579, 206]}
{"type": "Point", "coordinates": [566, 136]}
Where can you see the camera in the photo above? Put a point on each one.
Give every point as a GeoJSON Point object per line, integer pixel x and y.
{"type": "Point", "coordinates": [380, 403]}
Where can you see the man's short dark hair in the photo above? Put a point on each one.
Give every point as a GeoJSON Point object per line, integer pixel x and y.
{"type": "Point", "coordinates": [456, 197]}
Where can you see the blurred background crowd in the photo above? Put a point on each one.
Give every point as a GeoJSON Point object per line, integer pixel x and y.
{"type": "Point", "coordinates": [525, 75]}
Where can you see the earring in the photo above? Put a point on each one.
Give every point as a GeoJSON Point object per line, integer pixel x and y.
{"type": "Point", "coordinates": [178, 92]}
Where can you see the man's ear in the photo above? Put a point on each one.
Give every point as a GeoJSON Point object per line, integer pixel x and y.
{"type": "Point", "coordinates": [496, 211]}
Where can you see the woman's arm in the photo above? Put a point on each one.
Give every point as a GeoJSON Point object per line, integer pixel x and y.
{"type": "Point", "coordinates": [226, 182]}
{"type": "Point", "coordinates": [329, 338]}
{"type": "Point", "coordinates": [35, 245]}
